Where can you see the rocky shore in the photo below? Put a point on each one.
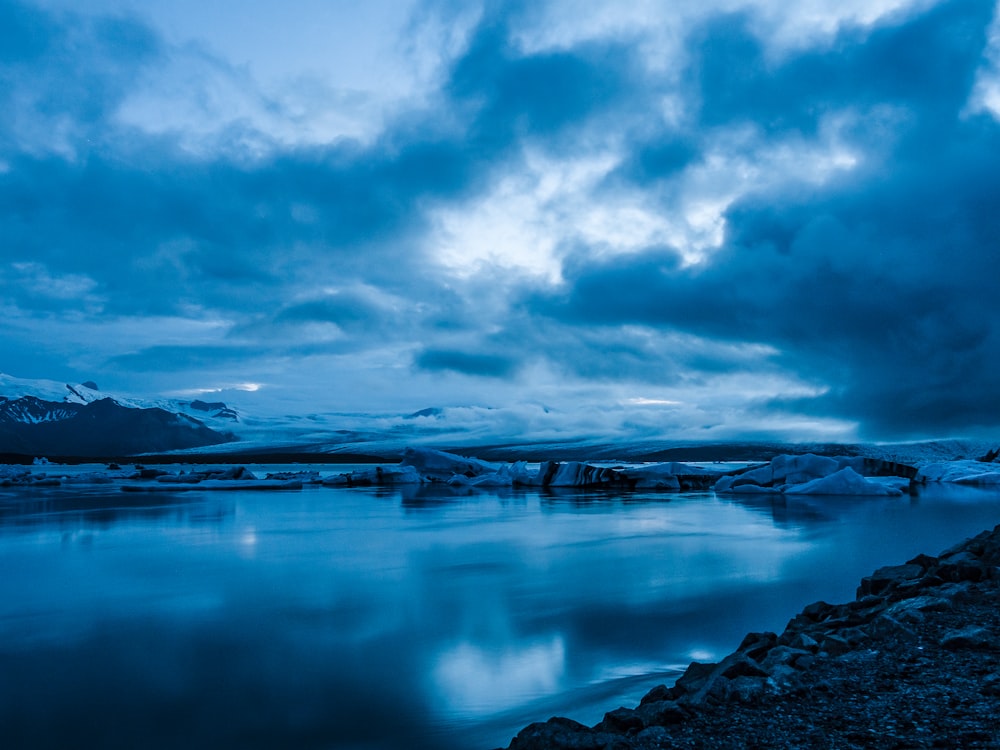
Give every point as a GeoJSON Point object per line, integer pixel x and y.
{"type": "Point", "coordinates": [912, 662]}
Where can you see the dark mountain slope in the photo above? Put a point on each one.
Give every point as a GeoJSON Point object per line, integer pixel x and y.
{"type": "Point", "coordinates": [32, 426]}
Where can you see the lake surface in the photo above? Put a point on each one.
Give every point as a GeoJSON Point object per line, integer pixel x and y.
{"type": "Point", "coordinates": [364, 618]}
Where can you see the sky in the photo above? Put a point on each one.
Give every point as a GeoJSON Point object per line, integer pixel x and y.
{"type": "Point", "coordinates": [701, 220]}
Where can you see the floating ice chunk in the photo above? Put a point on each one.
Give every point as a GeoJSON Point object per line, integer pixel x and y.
{"type": "Point", "coordinates": [754, 489]}
{"type": "Point", "coordinates": [434, 465]}
{"type": "Point", "coordinates": [809, 474]}
{"type": "Point", "coordinates": [961, 472]}
{"type": "Point", "coordinates": [11, 475]}
{"type": "Point", "coordinates": [799, 469]}
{"type": "Point", "coordinates": [659, 476]}
{"type": "Point", "coordinates": [380, 475]}
{"type": "Point", "coordinates": [306, 477]}
{"type": "Point", "coordinates": [91, 477]}
{"type": "Point", "coordinates": [577, 474]}
{"type": "Point", "coordinates": [844, 482]}
{"type": "Point", "coordinates": [725, 484]}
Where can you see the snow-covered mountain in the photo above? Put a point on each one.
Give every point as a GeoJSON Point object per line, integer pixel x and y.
{"type": "Point", "coordinates": [44, 418]}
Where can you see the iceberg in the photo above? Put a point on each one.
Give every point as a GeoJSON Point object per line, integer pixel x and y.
{"type": "Point", "coordinates": [960, 472]}
{"type": "Point", "coordinates": [809, 474]}
{"type": "Point", "coordinates": [375, 477]}
{"type": "Point", "coordinates": [435, 465]}
{"type": "Point", "coordinates": [843, 482]}
{"type": "Point", "coordinates": [429, 466]}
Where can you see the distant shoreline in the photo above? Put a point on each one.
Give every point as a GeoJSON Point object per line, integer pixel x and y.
{"type": "Point", "coordinates": [500, 453]}
{"type": "Point", "coordinates": [20, 459]}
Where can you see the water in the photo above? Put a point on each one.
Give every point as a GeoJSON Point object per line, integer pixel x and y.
{"type": "Point", "coordinates": [389, 619]}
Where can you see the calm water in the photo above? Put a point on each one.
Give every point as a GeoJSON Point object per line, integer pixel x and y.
{"type": "Point", "coordinates": [372, 619]}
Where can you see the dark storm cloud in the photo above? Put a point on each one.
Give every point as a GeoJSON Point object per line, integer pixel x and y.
{"type": "Point", "coordinates": [159, 228]}
{"type": "Point", "coordinates": [882, 285]}
{"type": "Point", "coordinates": [927, 62]}
{"type": "Point", "coordinates": [466, 363]}
{"type": "Point", "coordinates": [877, 281]}
{"type": "Point", "coordinates": [47, 95]}
{"type": "Point", "coordinates": [540, 95]}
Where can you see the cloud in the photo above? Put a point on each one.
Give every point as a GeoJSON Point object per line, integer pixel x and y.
{"type": "Point", "coordinates": [718, 216]}
{"type": "Point", "coordinates": [467, 363]}
{"type": "Point", "coordinates": [868, 284]}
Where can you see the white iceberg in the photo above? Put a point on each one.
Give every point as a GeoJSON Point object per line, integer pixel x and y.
{"type": "Point", "coordinates": [809, 474]}
{"type": "Point", "coordinates": [960, 472]}
{"type": "Point", "coordinates": [843, 482]}
{"type": "Point", "coordinates": [434, 465]}
{"type": "Point", "coordinates": [426, 466]}
{"type": "Point", "coordinates": [790, 470]}
{"type": "Point", "coordinates": [380, 475]}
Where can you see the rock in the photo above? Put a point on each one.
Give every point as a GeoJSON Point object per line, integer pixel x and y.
{"type": "Point", "coordinates": [803, 642]}
{"type": "Point", "coordinates": [783, 656]}
{"type": "Point", "coordinates": [653, 737]}
{"type": "Point", "coordinates": [854, 636]}
{"type": "Point", "coordinates": [911, 609]}
{"type": "Point", "coordinates": [973, 637]}
{"type": "Point", "coordinates": [991, 684]}
{"type": "Point", "coordinates": [834, 645]}
{"type": "Point", "coordinates": [739, 665]}
{"type": "Point", "coordinates": [622, 719]}
{"type": "Point", "coordinates": [657, 694]}
{"type": "Point", "coordinates": [888, 578]}
{"type": "Point", "coordinates": [756, 645]}
{"type": "Point", "coordinates": [694, 677]}
{"type": "Point", "coordinates": [662, 713]}
{"type": "Point", "coordinates": [817, 611]}
{"type": "Point", "coordinates": [805, 662]}
{"type": "Point", "coordinates": [785, 680]}
{"type": "Point", "coordinates": [924, 561]}
{"type": "Point", "coordinates": [565, 734]}
{"type": "Point", "coordinates": [887, 625]}
{"type": "Point", "coordinates": [747, 689]}
{"type": "Point", "coordinates": [714, 687]}
{"type": "Point", "coordinates": [960, 566]}
{"type": "Point", "coordinates": [954, 591]}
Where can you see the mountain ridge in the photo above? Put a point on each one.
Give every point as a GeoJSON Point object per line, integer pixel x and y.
{"type": "Point", "coordinates": [98, 428]}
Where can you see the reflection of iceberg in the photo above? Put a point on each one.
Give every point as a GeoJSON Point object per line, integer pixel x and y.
{"type": "Point", "coordinates": [472, 680]}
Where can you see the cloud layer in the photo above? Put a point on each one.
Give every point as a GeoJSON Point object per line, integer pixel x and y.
{"type": "Point", "coordinates": [732, 219]}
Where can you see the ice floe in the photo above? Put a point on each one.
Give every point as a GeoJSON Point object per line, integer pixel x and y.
{"type": "Point", "coordinates": [961, 472]}
{"type": "Point", "coordinates": [809, 474]}
{"type": "Point", "coordinates": [805, 474]}
{"type": "Point", "coordinates": [426, 465]}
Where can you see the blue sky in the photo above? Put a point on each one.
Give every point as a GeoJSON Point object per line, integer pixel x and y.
{"type": "Point", "coordinates": [694, 220]}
